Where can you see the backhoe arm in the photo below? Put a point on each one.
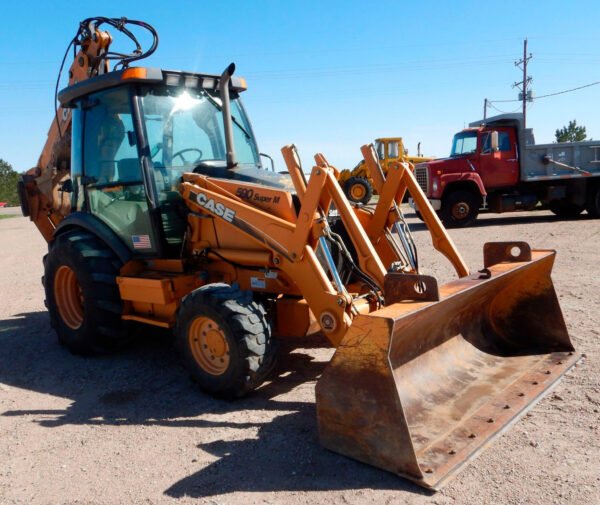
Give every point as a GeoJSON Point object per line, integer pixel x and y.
{"type": "Point", "coordinates": [46, 203]}
{"type": "Point", "coordinates": [44, 196]}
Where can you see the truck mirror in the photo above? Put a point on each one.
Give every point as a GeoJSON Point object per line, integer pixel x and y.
{"type": "Point", "coordinates": [494, 141]}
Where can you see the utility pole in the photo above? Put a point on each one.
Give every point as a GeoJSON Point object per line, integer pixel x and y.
{"type": "Point", "coordinates": [485, 106]}
{"type": "Point", "coordinates": [524, 95]}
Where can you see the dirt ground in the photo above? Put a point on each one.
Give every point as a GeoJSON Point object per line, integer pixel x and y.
{"type": "Point", "coordinates": [132, 428]}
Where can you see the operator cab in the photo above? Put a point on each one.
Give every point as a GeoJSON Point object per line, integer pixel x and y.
{"type": "Point", "coordinates": [135, 132]}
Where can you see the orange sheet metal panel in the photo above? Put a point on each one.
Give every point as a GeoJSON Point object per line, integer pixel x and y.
{"type": "Point", "coordinates": [137, 289]}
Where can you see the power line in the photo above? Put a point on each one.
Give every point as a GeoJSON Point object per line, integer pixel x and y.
{"type": "Point", "coordinates": [567, 90]}
{"type": "Point", "coordinates": [525, 95]}
{"type": "Point", "coordinates": [490, 104]}
{"type": "Point", "coordinates": [503, 101]}
{"type": "Point", "coordinates": [549, 94]}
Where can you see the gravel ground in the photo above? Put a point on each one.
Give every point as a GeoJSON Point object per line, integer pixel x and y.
{"type": "Point", "coordinates": [132, 428]}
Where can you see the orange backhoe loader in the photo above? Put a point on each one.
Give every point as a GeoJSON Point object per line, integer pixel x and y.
{"type": "Point", "coordinates": [156, 209]}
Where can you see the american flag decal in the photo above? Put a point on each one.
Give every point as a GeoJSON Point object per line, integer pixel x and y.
{"type": "Point", "coordinates": [141, 242]}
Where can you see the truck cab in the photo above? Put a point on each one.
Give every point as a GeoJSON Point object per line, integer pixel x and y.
{"type": "Point", "coordinates": [483, 163]}
{"type": "Point", "coordinates": [496, 165]}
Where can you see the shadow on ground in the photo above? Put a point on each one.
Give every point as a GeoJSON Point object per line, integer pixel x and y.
{"type": "Point", "coordinates": [281, 459]}
{"type": "Point", "coordinates": [147, 385]}
{"type": "Point", "coordinates": [486, 219]}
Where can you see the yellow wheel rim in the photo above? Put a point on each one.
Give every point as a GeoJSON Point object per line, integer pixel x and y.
{"type": "Point", "coordinates": [358, 191]}
{"type": "Point", "coordinates": [69, 298]}
{"type": "Point", "coordinates": [209, 345]}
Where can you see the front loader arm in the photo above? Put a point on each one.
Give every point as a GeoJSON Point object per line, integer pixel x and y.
{"type": "Point", "coordinates": [291, 246]}
{"type": "Point", "coordinates": [391, 190]}
{"type": "Point", "coordinates": [330, 191]}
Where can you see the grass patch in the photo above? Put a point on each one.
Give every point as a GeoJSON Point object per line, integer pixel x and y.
{"type": "Point", "coordinates": [7, 216]}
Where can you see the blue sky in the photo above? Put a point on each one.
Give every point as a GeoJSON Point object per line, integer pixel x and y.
{"type": "Point", "coordinates": [329, 76]}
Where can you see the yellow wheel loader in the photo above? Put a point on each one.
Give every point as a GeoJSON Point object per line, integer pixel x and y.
{"type": "Point", "coordinates": [358, 183]}
{"type": "Point", "coordinates": [155, 207]}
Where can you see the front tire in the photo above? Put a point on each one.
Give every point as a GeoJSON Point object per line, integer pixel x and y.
{"type": "Point", "coordinates": [459, 208]}
{"type": "Point", "coordinates": [358, 190]}
{"type": "Point", "coordinates": [81, 293]}
{"type": "Point", "coordinates": [225, 340]}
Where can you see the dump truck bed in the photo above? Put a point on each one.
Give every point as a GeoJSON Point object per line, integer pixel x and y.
{"type": "Point", "coordinates": [582, 155]}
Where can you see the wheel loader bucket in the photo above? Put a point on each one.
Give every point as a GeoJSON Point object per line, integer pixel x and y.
{"type": "Point", "coordinates": [419, 388]}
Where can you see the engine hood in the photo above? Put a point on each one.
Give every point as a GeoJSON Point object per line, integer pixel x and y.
{"type": "Point", "coordinates": [450, 165]}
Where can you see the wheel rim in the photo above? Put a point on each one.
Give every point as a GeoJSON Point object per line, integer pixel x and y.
{"type": "Point", "coordinates": [460, 210]}
{"type": "Point", "coordinates": [69, 297]}
{"type": "Point", "coordinates": [209, 346]}
{"type": "Point", "coordinates": [357, 191]}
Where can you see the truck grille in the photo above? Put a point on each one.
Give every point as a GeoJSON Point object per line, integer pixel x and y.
{"type": "Point", "coordinates": [422, 176]}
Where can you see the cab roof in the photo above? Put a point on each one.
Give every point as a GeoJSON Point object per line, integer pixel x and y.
{"type": "Point", "coordinates": [144, 75]}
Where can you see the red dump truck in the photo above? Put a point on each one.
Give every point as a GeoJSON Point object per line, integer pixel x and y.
{"type": "Point", "coordinates": [497, 167]}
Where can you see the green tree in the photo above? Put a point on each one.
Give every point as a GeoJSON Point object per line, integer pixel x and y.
{"type": "Point", "coordinates": [8, 183]}
{"type": "Point", "coordinates": [571, 133]}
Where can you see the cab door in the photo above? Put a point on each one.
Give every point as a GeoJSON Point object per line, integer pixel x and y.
{"type": "Point", "coordinates": [498, 168]}
{"type": "Point", "coordinates": [111, 175]}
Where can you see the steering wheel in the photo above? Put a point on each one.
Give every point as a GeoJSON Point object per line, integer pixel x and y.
{"type": "Point", "coordinates": [181, 152]}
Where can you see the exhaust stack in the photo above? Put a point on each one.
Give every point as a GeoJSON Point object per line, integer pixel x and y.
{"type": "Point", "coordinates": [226, 109]}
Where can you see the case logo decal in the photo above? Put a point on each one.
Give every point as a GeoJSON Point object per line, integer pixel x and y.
{"type": "Point", "coordinates": [215, 207]}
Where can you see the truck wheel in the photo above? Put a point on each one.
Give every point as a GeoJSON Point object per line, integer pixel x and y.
{"type": "Point", "coordinates": [82, 294]}
{"type": "Point", "coordinates": [225, 340]}
{"type": "Point", "coordinates": [459, 208]}
{"type": "Point", "coordinates": [593, 202]}
{"type": "Point", "coordinates": [358, 190]}
{"type": "Point", "coordinates": [565, 209]}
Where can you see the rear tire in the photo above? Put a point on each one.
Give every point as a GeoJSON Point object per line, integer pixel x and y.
{"type": "Point", "coordinates": [358, 190]}
{"type": "Point", "coordinates": [225, 340]}
{"type": "Point", "coordinates": [593, 202]}
{"type": "Point", "coordinates": [459, 208]}
{"type": "Point", "coordinates": [565, 209]}
{"type": "Point", "coordinates": [82, 295]}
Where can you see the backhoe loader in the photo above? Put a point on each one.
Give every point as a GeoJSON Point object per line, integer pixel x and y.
{"type": "Point", "coordinates": [151, 196]}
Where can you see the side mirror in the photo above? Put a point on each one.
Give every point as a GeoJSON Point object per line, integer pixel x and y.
{"type": "Point", "coordinates": [67, 186]}
{"type": "Point", "coordinates": [131, 137]}
{"type": "Point", "coordinates": [494, 141]}
{"type": "Point", "coordinates": [270, 159]}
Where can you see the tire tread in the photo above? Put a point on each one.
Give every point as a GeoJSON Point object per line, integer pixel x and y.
{"type": "Point", "coordinates": [248, 325]}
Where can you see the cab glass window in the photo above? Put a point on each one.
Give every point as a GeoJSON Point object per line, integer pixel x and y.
{"type": "Point", "coordinates": [109, 150]}
{"type": "Point", "coordinates": [393, 150]}
{"type": "Point", "coordinates": [380, 148]}
{"type": "Point", "coordinates": [114, 191]}
{"type": "Point", "coordinates": [464, 143]}
{"type": "Point", "coordinates": [503, 142]}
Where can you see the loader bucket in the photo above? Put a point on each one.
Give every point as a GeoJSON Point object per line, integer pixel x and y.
{"type": "Point", "coordinates": [419, 388]}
